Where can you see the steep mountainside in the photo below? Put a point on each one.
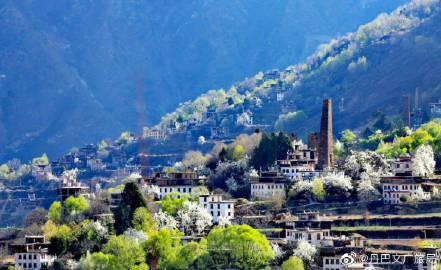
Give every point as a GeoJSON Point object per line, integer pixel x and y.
{"type": "Point", "coordinates": [362, 72]}
{"type": "Point", "coordinates": [68, 69]}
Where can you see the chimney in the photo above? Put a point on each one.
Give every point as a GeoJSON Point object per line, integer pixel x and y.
{"type": "Point", "coordinates": [406, 110]}
{"type": "Point", "coordinates": [325, 159]}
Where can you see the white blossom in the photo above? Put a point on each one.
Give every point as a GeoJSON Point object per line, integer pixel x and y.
{"type": "Point", "coordinates": [231, 184]}
{"type": "Point", "coordinates": [278, 252]}
{"type": "Point", "coordinates": [224, 221]}
{"type": "Point", "coordinates": [201, 140]}
{"type": "Point", "coordinates": [305, 251]}
{"type": "Point", "coordinates": [147, 190]}
{"type": "Point", "coordinates": [337, 183]}
{"type": "Point", "coordinates": [194, 219]}
{"type": "Point", "coordinates": [163, 220]}
{"type": "Point", "coordinates": [132, 177]}
{"type": "Point", "coordinates": [424, 162]}
{"type": "Point", "coordinates": [367, 162]}
{"type": "Point", "coordinates": [366, 191]}
{"type": "Point", "coordinates": [420, 195]}
{"type": "Point", "coordinates": [137, 236]}
{"type": "Point", "coordinates": [303, 186]}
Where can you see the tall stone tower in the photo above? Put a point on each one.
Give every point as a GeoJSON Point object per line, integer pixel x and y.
{"type": "Point", "coordinates": [326, 149]}
{"type": "Point", "coordinates": [406, 110]}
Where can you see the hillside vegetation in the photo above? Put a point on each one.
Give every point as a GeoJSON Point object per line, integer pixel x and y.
{"type": "Point", "coordinates": [370, 69]}
{"type": "Point", "coordinates": [71, 70]}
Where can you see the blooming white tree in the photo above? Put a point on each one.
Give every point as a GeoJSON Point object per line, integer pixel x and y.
{"type": "Point", "coordinates": [101, 231]}
{"type": "Point", "coordinates": [278, 252]}
{"type": "Point", "coordinates": [231, 184]}
{"type": "Point", "coordinates": [224, 221]}
{"type": "Point", "coordinates": [420, 195]}
{"type": "Point", "coordinates": [193, 218]}
{"type": "Point", "coordinates": [137, 236]}
{"type": "Point", "coordinates": [303, 186]}
{"type": "Point", "coordinates": [424, 162]}
{"type": "Point", "coordinates": [163, 220]}
{"type": "Point", "coordinates": [337, 184]}
{"type": "Point", "coordinates": [306, 252]}
{"type": "Point", "coordinates": [150, 190]}
{"type": "Point", "coordinates": [367, 162]}
{"type": "Point", "coordinates": [132, 177]}
{"type": "Point", "coordinates": [366, 191]}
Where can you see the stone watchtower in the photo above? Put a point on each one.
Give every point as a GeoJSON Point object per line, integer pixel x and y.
{"type": "Point", "coordinates": [406, 110]}
{"type": "Point", "coordinates": [326, 149]}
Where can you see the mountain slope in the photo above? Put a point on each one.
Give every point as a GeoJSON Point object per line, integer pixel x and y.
{"type": "Point", "coordinates": [68, 68]}
{"type": "Point", "coordinates": [370, 69]}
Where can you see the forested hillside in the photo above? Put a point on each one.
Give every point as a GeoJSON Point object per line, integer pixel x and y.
{"type": "Point", "coordinates": [363, 72]}
{"type": "Point", "coordinates": [69, 69]}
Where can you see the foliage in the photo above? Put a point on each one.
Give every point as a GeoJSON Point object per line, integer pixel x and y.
{"type": "Point", "coordinates": [337, 186]}
{"type": "Point", "coordinates": [306, 252]}
{"type": "Point", "coordinates": [424, 162]}
{"type": "Point", "coordinates": [163, 220]}
{"type": "Point", "coordinates": [76, 205]}
{"type": "Point", "coordinates": [271, 148]}
{"type": "Point", "coordinates": [55, 211]}
{"type": "Point", "coordinates": [121, 252]}
{"type": "Point", "coordinates": [290, 121]}
{"type": "Point", "coordinates": [318, 192]}
{"type": "Point", "coordinates": [164, 245]}
{"type": "Point", "coordinates": [43, 160]}
{"type": "Point", "coordinates": [143, 220]}
{"type": "Point", "coordinates": [194, 218]}
{"type": "Point", "coordinates": [137, 235]}
{"type": "Point", "coordinates": [366, 191]}
{"type": "Point", "coordinates": [238, 152]}
{"type": "Point", "coordinates": [238, 246]}
{"type": "Point", "coordinates": [173, 202]}
{"type": "Point", "coordinates": [293, 263]}
{"type": "Point", "coordinates": [193, 159]}
{"type": "Point", "coordinates": [6, 173]}
{"type": "Point", "coordinates": [347, 138]}
{"type": "Point", "coordinates": [131, 200]}
{"type": "Point", "coordinates": [371, 163]}
{"type": "Point", "coordinates": [37, 216]}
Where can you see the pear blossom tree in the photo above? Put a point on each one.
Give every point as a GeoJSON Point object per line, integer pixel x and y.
{"type": "Point", "coordinates": [193, 218]}
{"type": "Point", "coordinates": [164, 220]}
{"type": "Point", "coordinates": [306, 252]}
{"type": "Point", "coordinates": [424, 161]}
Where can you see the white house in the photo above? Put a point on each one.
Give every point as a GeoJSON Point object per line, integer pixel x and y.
{"type": "Point", "coordinates": [33, 255]}
{"type": "Point", "coordinates": [179, 182]}
{"type": "Point", "coordinates": [216, 206]}
{"type": "Point", "coordinates": [310, 227]}
{"type": "Point", "coordinates": [268, 186]}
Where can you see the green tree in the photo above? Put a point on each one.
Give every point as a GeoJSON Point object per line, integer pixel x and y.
{"type": "Point", "coordinates": [347, 138]}
{"type": "Point", "coordinates": [6, 173]}
{"type": "Point", "coordinates": [127, 253]}
{"type": "Point", "coordinates": [238, 152]}
{"type": "Point", "coordinates": [290, 121]}
{"type": "Point", "coordinates": [164, 246]}
{"type": "Point", "coordinates": [293, 263]}
{"type": "Point", "coordinates": [76, 205]}
{"type": "Point", "coordinates": [238, 246]}
{"type": "Point", "coordinates": [271, 148]}
{"type": "Point", "coordinates": [173, 202]}
{"type": "Point", "coordinates": [131, 200]}
{"type": "Point", "coordinates": [318, 192]}
{"type": "Point", "coordinates": [143, 220]}
{"type": "Point", "coordinates": [43, 160]}
{"type": "Point", "coordinates": [55, 211]}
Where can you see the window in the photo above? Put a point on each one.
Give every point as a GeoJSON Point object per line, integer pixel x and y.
{"type": "Point", "coordinates": [218, 213]}
{"type": "Point", "coordinates": [35, 265]}
{"type": "Point", "coordinates": [211, 206]}
{"type": "Point", "coordinates": [205, 199]}
{"type": "Point", "coordinates": [218, 206]}
{"type": "Point", "coordinates": [35, 256]}
{"type": "Point", "coordinates": [19, 256]}
{"type": "Point", "coordinates": [229, 206]}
